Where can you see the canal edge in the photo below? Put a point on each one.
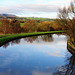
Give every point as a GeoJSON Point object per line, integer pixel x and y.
{"type": "Point", "coordinates": [70, 46]}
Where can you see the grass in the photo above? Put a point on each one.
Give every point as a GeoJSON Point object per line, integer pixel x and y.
{"type": "Point", "coordinates": [9, 37]}
{"type": "Point", "coordinates": [21, 24]}
{"type": "Point", "coordinates": [1, 36]}
{"type": "Point", "coordinates": [0, 22]}
{"type": "Point", "coordinates": [42, 19]}
{"type": "Point", "coordinates": [36, 18]}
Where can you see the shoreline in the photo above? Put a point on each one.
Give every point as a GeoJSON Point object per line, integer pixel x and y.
{"type": "Point", "coordinates": [7, 38]}
{"type": "Point", "coordinates": [70, 47]}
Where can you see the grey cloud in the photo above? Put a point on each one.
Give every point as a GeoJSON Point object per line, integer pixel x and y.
{"type": "Point", "coordinates": [39, 7]}
{"type": "Point", "coordinates": [32, 8]}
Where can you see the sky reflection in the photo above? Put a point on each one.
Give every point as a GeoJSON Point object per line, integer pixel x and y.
{"type": "Point", "coordinates": [33, 57]}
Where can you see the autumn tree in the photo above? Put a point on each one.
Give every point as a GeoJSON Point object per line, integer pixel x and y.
{"type": "Point", "coordinates": [30, 26]}
{"type": "Point", "coordinates": [5, 26]}
{"type": "Point", "coordinates": [44, 26]}
{"type": "Point", "coordinates": [67, 20]}
{"type": "Point", "coordinates": [9, 27]}
{"type": "Point", "coordinates": [14, 26]}
{"type": "Point", "coordinates": [17, 28]}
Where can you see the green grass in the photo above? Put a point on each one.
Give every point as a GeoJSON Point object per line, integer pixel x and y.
{"type": "Point", "coordinates": [0, 23]}
{"type": "Point", "coordinates": [10, 37]}
{"type": "Point", "coordinates": [1, 36]}
{"type": "Point", "coordinates": [21, 24]}
{"type": "Point", "coordinates": [36, 18]}
{"type": "Point", "coordinates": [42, 19]}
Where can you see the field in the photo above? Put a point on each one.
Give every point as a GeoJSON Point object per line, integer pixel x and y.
{"type": "Point", "coordinates": [36, 18]}
{"type": "Point", "coordinates": [21, 24]}
{"type": "Point", "coordinates": [42, 19]}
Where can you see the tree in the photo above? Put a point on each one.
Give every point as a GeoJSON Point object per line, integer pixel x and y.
{"type": "Point", "coordinates": [15, 26]}
{"type": "Point", "coordinates": [67, 19]}
{"type": "Point", "coordinates": [30, 26]}
{"type": "Point", "coordinates": [5, 26]}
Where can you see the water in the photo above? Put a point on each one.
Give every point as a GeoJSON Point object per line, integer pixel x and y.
{"type": "Point", "coordinates": [38, 55]}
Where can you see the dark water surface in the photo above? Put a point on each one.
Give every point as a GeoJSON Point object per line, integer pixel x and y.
{"type": "Point", "coordinates": [38, 55]}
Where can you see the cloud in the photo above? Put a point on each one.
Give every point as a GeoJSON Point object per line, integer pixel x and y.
{"type": "Point", "coordinates": [32, 7]}
{"type": "Point", "coordinates": [59, 2]}
{"type": "Point", "coordinates": [40, 10]}
{"type": "Point", "coordinates": [29, 8]}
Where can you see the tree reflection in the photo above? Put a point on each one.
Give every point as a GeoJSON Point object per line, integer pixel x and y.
{"type": "Point", "coordinates": [12, 43]}
{"type": "Point", "coordinates": [70, 65]}
{"type": "Point", "coordinates": [68, 69]}
{"type": "Point", "coordinates": [6, 45]}
{"type": "Point", "coordinates": [31, 39]}
{"type": "Point", "coordinates": [46, 38]}
{"type": "Point", "coordinates": [15, 41]}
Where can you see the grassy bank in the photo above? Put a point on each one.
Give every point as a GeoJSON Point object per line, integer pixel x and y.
{"type": "Point", "coordinates": [7, 38]}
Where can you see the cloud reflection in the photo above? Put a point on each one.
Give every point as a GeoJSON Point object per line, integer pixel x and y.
{"type": "Point", "coordinates": [57, 54]}
{"type": "Point", "coordinates": [36, 57]}
{"type": "Point", "coordinates": [40, 73]}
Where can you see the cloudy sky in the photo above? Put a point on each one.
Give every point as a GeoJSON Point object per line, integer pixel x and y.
{"type": "Point", "coordinates": [32, 8]}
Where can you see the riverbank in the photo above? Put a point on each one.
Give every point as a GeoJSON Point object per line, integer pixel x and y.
{"type": "Point", "coordinates": [70, 46]}
{"type": "Point", "coordinates": [9, 37]}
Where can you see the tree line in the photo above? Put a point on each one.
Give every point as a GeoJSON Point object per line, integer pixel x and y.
{"type": "Point", "coordinates": [14, 26]}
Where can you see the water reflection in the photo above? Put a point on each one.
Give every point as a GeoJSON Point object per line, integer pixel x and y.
{"type": "Point", "coordinates": [70, 65]}
{"type": "Point", "coordinates": [68, 68]}
{"type": "Point", "coordinates": [46, 38]}
{"type": "Point", "coordinates": [38, 55]}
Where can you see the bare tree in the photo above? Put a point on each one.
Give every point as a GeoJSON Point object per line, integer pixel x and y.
{"type": "Point", "coordinates": [67, 20]}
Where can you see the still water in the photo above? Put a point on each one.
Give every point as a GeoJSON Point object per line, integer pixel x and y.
{"type": "Point", "coordinates": [38, 55]}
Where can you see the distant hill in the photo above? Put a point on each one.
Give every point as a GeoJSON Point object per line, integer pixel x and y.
{"type": "Point", "coordinates": [7, 15]}
{"type": "Point", "coordinates": [10, 16]}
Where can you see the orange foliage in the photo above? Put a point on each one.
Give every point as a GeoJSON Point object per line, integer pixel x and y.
{"type": "Point", "coordinates": [13, 26]}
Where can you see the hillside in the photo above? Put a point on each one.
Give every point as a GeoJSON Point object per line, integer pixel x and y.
{"type": "Point", "coordinates": [7, 15]}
